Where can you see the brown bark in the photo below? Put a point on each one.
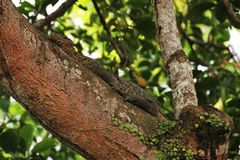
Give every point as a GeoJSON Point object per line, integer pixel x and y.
{"type": "Point", "coordinates": [69, 100]}
{"type": "Point", "coordinates": [201, 127]}
{"type": "Point", "coordinates": [206, 134]}
{"type": "Point", "coordinates": [78, 107]}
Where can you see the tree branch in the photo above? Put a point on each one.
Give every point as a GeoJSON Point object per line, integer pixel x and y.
{"type": "Point", "coordinates": [176, 62]}
{"type": "Point", "coordinates": [66, 97]}
{"type": "Point", "coordinates": [53, 16]}
{"type": "Point", "coordinates": [80, 109]}
{"type": "Point", "coordinates": [201, 43]}
{"type": "Point", "coordinates": [109, 36]}
{"type": "Point", "coordinates": [208, 45]}
{"type": "Point", "coordinates": [232, 16]}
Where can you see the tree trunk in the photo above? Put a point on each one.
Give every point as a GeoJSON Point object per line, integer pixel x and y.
{"type": "Point", "coordinates": [68, 100]}
{"type": "Point", "coordinates": [176, 62]}
{"type": "Point", "coordinates": [85, 113]}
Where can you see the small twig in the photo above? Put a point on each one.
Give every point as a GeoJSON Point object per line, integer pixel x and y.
{"type": "Point", "coordinates": [190, 41]}
{"type": "Point", "coordinates": [59, 12]}
{"type": "Point", "coordinates": [117, 46]}
{"type": "Point", "coordinates": [194, 41]}
{"type": "Point", "coordinates": [201, 43]}
{"type": "Point", "coordinates": [206, 44]}
{"type": "Point", "coordinates": [232, 16]}
{"type": "Point", "coordinates": [109, 36]}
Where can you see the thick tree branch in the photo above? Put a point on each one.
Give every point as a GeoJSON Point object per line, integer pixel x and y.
{"type": "Point", "coordinates": [53, 16]}
{"type": "Point", "coordinates": [67, 98]}
{"type": "Point", "coordinates": [232, 16]}
{"type": "Point", "coordinates": [85, 113]}
{"type": "Point", "coordinates": [176, 62]}
{"type": "Point", "coordinates": [183, 90]}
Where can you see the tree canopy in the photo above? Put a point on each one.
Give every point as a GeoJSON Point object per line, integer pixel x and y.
{"type": "Point", "coordinates": [121, 35]}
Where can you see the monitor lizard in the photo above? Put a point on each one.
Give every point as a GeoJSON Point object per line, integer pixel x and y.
{"type": "Point", "coordinates": [130, 91]}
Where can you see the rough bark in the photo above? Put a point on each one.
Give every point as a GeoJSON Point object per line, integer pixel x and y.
{"type": "Point", "coordinates": [86, 114]}
{"type": "Point", "coordinates": [208, 131]}
{"type": "Point", "coordinates": [69, 100]}
{"type": "Point", "coordinates": [176, 62]}
{"type": "Point", "coordinates": [203, 130]}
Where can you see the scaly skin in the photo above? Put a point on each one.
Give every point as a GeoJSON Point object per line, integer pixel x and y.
{"type": "Point", "coordinates": [129, 90]}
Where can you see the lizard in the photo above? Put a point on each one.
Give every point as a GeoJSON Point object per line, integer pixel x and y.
{"type": "Point", "coordinates": [130, 91]}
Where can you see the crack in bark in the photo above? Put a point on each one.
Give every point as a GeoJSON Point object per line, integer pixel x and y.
{"type": "Point", "coordinates": [121, 146]}
{"type": "Point", "coordinates": [1, 7]}
{"type": "Point", "coordinates": [158, 27]}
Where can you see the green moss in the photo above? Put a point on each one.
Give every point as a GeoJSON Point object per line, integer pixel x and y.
{"type": "Point", "coordinates": [196, 125]}
{"type": "Point", "coordinates": [165, 126]}
{"type": "Point", "coordinates": [130, 127]}
{"type": "Point", "coordinates": [170, 145]}
{"type": "Point", "coordinates": [94, 129]}
{"type": "Point", "coordinates": [171, 148]}
{"type": "Point", "coordinates": [109, 129]}
{"type": "Point", "coordinates": [174, 149]}
{"type": "Point", "coordinates": [81, 129]}
{"type": "Point", "coordinates": [213, 120]}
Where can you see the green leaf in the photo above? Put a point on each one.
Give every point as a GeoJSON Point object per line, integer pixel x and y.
{"type": "Point", "coordinates": [144, 63]}
{"type": "Point", "coordinates": [2, 127]}
{"type": "Point", "coordinates": [236, 3]}
{"type": "Point", "coordinates": [9, 140]}
{"type": "Point", "coordinates": [16, 109]}
{"type": "Point", "coordinates": [137, 3]}
{"type": "Point", "coordinates": [44, 145]}
{"type": "Point", "coordinates": [93, 18]}
{"type": "Point", "coordinates": [4, 103]}
{"type": "Point", "coordinates": [26, 4]}
{"type": "Point", "coordinates": [42, 4]}
{"type": "Point", "coordinates": [220, 12]}
{"type": "Point", "coordinates": [146, 26]}
{"type": "Point", "coordinates": [235, 102]}
{"type": "Point", "coordinates": [26, 7]}
{"type": "Point", "coordinates": [146, 44]}
{"type": "Point", "coordinates": [197, 33]}
{"type": "Point", "coordinates": [22, 147]}
{"type": "Point", "coordinates": [26, 132]}
{"type": "Point", "coordinates": [207, 83]}
{"type": "Point", "coordinates": [196, 13]}
{"type": "Point", "coordinates": [220, 34]}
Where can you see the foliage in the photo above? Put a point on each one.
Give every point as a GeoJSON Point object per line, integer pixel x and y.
{"type": "Point", "coordinates": [204, 30]}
